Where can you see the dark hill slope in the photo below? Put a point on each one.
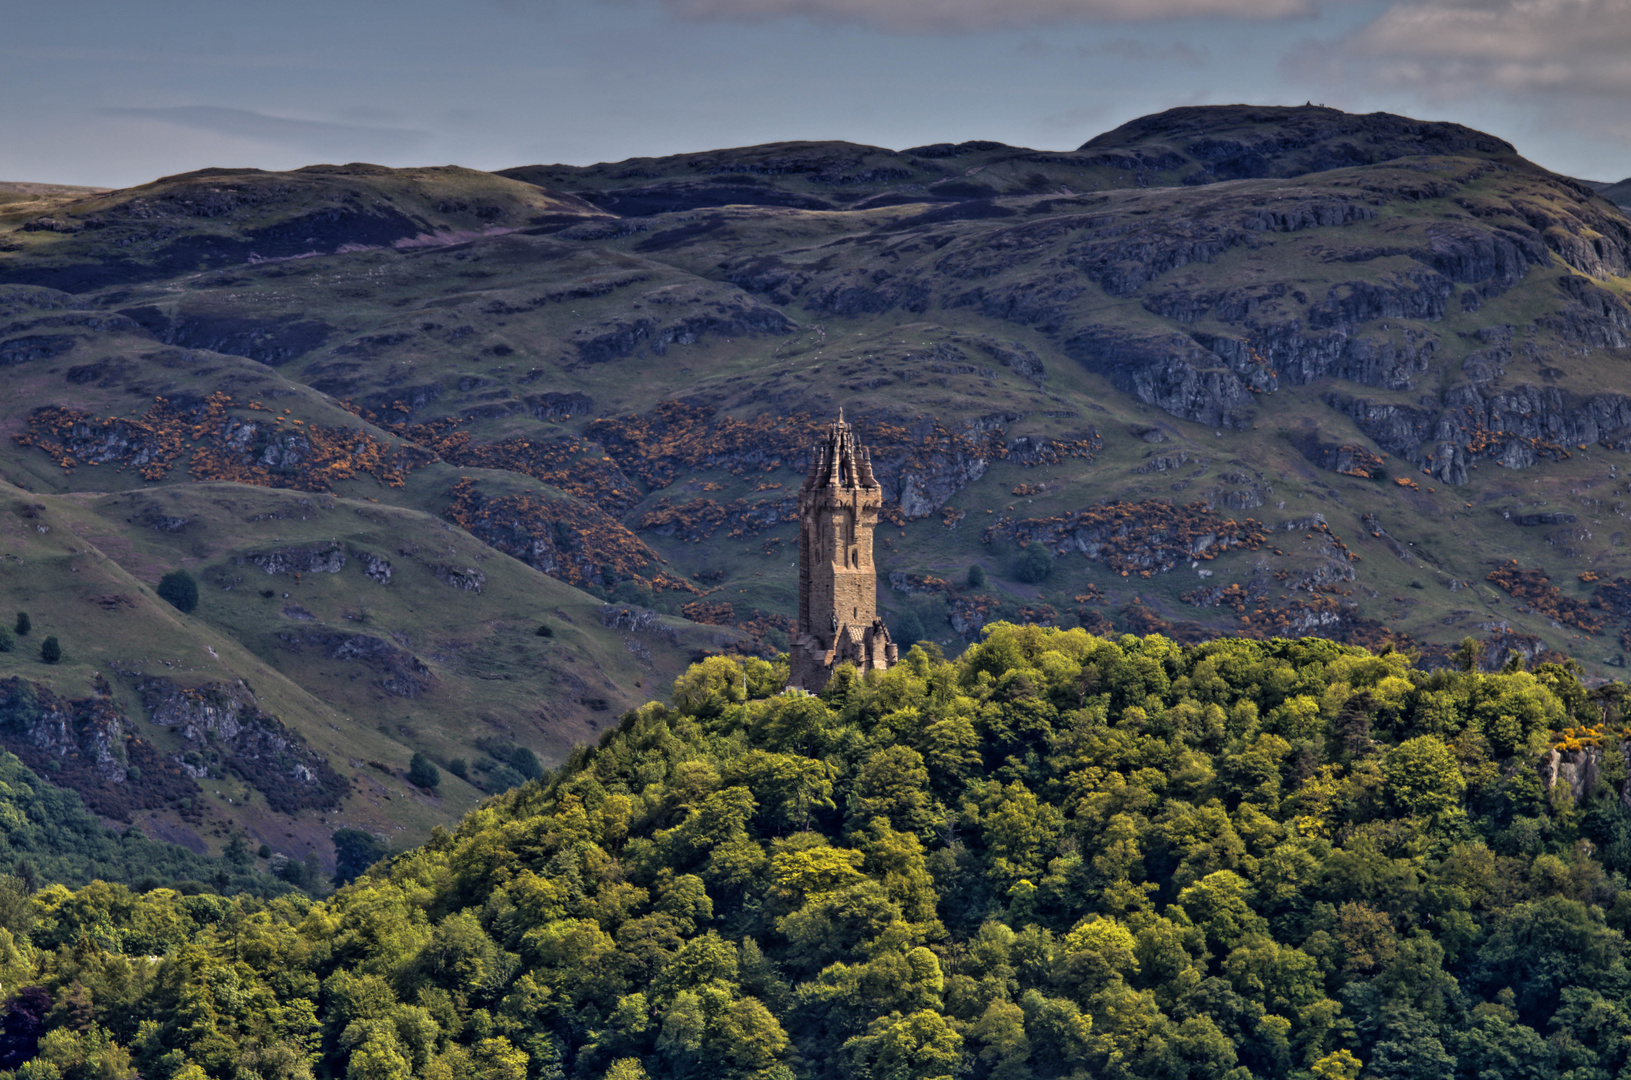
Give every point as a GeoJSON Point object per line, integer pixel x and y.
{"type": "Point", "coordinates": [1187, 146]}
{"type": "Point", "coordinates": [1618, 193]}
{"type": "Point", "coordinates": [216, 217]}
{"type": "Point", "coordinates": [1238, 142]}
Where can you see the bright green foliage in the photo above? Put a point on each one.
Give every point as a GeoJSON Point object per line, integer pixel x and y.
{"type": "Point", "coordinates": [1056, 857]}
{"type": "Point", "coordinates": [1423, 775]}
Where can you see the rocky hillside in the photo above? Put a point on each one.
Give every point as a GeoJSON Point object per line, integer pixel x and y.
{"type": "Point", "coordinates": [1617, 193]}
{"type": "Point", "coordinates": [1266, 371]}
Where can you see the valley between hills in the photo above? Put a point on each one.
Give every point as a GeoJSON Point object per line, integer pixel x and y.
{"type": "Point", "coordinates": [467, 464]}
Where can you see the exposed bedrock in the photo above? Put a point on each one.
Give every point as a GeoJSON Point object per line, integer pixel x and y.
{"type": "Point", "coordinates": [724, 316]}
{"type": "Point", "coordinates": [1172, 372]}
{"type": "Point", "coordinates": [1515, 427]}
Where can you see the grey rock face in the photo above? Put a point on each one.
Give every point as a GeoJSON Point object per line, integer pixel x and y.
{"type": "Point", "coordinates": [730, 315]}
{"type": "Point", "coordinates": [633, 619]}
{"type": "Point", "coordinates": [229, 732]}
{"type": "Point", "coordinates": [1170, 372]}
{"type": "Point", "coordinates": [397, 670]}
{"type": "Point", "coordinates": [321, 559]}
{"type": "Point", "coordinates": [466, 578]}
{"type": "Point", "coordinates": [377, 568]}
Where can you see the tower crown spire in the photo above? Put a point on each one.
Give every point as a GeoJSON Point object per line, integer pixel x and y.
{"type": "Point", "coordinates": [838, 461]}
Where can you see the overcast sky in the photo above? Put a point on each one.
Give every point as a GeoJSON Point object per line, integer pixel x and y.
{"type": "Point", "coordinates": [114, 92]}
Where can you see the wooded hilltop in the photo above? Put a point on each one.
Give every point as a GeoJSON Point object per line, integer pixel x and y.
{"type": "Point", "coordinates": [1059, 855]}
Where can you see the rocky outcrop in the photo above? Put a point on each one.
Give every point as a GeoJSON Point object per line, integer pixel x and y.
{"type": "Point", "coordinates": [1136, 537]}
{"type": "Point", "coordinates": [1012, 354]}
{"type": "Point", "coordinates": [270, 341]}
{"type": "Point", "coordinates": [90, 729]}
{"type": "Point", "coordinates": [632, 619]}
{"type": "Point", "coordinates": [396, 671]}
{"type": "Point", "coordinates": [1398, 429]}
{"type": "Point", "coordinates": [969, 614]}
{"type": "Point", "coordinates": [87, 745]}
{"type": "Point", "coordinates": [28, 348]}
{"type": "Point", "coordinates": [463, 578]}
{"type": "Point", "coordinates": [916, 584]}
{"type": "Point", "coordinates": [1170, 372]}
{"type": "Point", "coordinates": [1517, 427]}
{"type": "Point", "coordinates": [1348, 459]}
{"type": "Point", "coordinates": [697, 519]}
{"type": "Point", "coordinates": [400, 404]}
{"type": "Point", "coordinates": [220, 445]}
{"type": "Point", "coordinates": [919, 461]}
{"type": "Point", "coordinates": [227, 732]}
{"type": "Point", "coordinates": [377, 568]}
{"type": "Point", "coordinates": [565, 539]}
{"type": "Point", "coordinates": [559, 406]}
{"type": "Point", "coordinates": [320, 559]}
{"type": "Point", "coordinates": [1593, 316]}
{"type": "Point", "coordinates": [696, 314]}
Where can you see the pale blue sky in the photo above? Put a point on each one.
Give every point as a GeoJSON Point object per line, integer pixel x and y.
{"type": "Point", "coordinates": [116, 93]}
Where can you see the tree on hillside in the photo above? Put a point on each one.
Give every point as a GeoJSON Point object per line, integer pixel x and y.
{"type": "Point", "coordinates": [1035, 564]}
{"type": "Point", "coordinates": [24, 623]}
{"type": "Point", "coordinates": [180, 589]}
{"type": "Point", "coordinates": [422, 773]}
{"type": "Point", "coordinates": [906, 628]}
{"type": "Point", "coordinates": [50, 650]}
{"type": "Point", "coordinates": [237, 851]}
{"type": "Point", "coordinates": [976, 576]}
{"type": "Point", "coordinates": [525, 762]}
{"type": "Point", "coordinates": [354, 852]}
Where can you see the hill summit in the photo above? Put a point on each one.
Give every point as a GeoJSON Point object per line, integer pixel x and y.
{"type": "Point", "coordinates": [1240, 142]}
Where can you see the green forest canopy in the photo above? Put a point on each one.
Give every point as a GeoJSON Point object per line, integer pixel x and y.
{"type": "Point", "coordinates": [1057, 856]}
{"type": "Point", "coordinates": [47, 834]}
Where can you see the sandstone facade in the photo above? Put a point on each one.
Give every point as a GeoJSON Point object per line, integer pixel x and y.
{"type": "Point", "coordinates": [838, 581]}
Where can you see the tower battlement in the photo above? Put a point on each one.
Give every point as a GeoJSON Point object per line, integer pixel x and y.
{"type": "Point", "coordinates": [838, 581]}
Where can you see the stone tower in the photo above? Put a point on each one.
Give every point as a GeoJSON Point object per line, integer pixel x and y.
{"type": "Point", "coordinates": [838, 584]}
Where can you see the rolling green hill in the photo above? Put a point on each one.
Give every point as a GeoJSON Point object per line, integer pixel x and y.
{"type": "Point", "coordinates": [1263, 371]}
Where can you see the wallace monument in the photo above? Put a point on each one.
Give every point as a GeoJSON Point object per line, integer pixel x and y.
{"type": "Point", "coordinates": [838, 583]}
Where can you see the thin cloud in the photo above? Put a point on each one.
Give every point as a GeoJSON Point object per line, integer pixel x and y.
{"type": "Point", "coordinates": [1453, 48]}
{"type": "Point", "coordinates": [1144, 52]}
{"type": "Point", "coordinates": [1542, 34]}
{"type": "Point", "coordinates": [962, 15]}
{"type": "Point", "coordinates": [1562, 64]}
{"type": "Point", "coordinates": [351, 141]}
